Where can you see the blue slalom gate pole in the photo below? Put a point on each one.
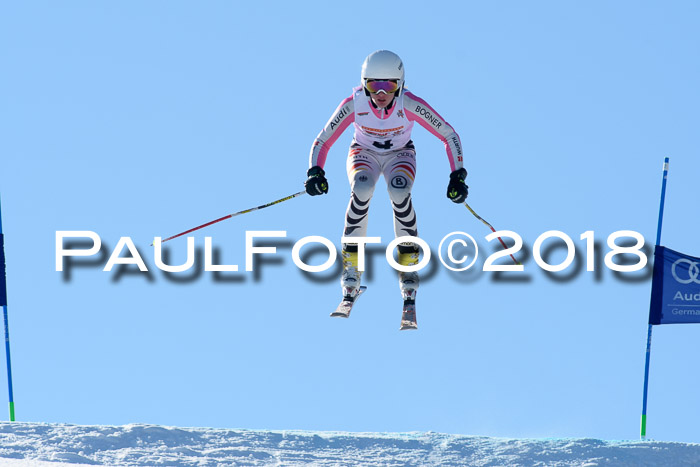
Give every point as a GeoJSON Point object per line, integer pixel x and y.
{"type": "Point", "coordinates": [3, 302]}
{"type": "Point", "coordinates": [648, 351]}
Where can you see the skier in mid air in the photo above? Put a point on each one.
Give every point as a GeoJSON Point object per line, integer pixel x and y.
{"type": "Point", "coordinates": [383, 113]}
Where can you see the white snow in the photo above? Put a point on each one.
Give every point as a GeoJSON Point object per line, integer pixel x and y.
{"type": "Point", "coordinates": [52, 445]}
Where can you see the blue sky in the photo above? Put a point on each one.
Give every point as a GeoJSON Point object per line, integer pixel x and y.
{"type": "Point", "coordinates": [143, 119]}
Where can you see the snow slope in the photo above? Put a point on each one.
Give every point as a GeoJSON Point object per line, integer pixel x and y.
{"type": "Point", "coordinates": [39, 444]}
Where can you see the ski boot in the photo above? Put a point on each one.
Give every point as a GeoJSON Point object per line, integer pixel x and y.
{"type": "Point", "coordinates": [350, 280]}
{"type": "Point", "coordinates": [350, 284]}
{"type": "Point", "coordinates": [408, 282]}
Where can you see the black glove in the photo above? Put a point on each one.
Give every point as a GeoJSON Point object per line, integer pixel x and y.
{"type": "Point", "coordinates": [457, 190]}
{"type": "Point", "coordinates": [316, 184]}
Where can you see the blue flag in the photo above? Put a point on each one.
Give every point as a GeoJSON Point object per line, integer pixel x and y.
{"type": "Point", "coordinates": [675, 288]}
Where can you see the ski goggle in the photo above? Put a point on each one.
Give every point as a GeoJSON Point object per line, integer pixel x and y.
{"type": "Point", "coordinates": [388, 86]}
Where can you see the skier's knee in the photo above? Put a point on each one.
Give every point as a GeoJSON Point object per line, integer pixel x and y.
{"type": "Point", "coordinates": [399, 187]}
{"type": "Point", "coordinates": [363, 187]}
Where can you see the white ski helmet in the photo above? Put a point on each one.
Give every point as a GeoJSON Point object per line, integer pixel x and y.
{"type": "Point", "coordinates": [383, 64]}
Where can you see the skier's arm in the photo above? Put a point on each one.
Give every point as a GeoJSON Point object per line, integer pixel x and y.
{"type": "Point", "coordinates": [417, 110]}
{"type": "Point", "coordinates": [343, 116]}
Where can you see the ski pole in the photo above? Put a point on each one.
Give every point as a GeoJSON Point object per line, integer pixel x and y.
{"type": "Point", "coordinates": [236, 214]}
{"type": "Point", "coordinates": [490, 227]}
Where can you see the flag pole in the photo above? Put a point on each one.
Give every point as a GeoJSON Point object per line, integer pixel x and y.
{"type": "Point", "coordinates": [643, 431]}
{"type": "Point", "coordinates": [3, 302]}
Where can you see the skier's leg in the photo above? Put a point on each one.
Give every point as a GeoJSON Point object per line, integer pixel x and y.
{"type": "Point", "coordinates": [400, 172]}
{"type": "Point", "coordinates": [363, 172]}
